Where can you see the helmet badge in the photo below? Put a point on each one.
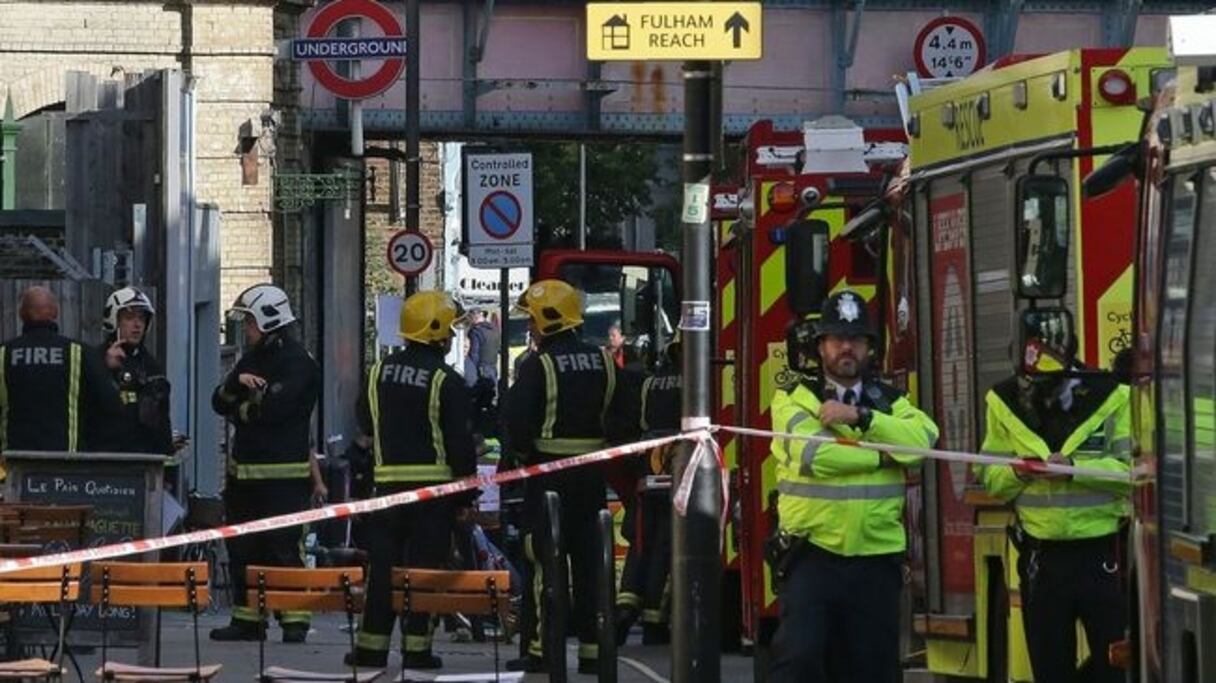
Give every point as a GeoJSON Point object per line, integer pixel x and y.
{"type": "Point", "coordinates": [847, 308]}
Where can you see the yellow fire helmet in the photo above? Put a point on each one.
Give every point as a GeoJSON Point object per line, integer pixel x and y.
{"type": "Point", "coordinates": [429, 317]}
{"type": "Point", "coordinates": [553, 305]}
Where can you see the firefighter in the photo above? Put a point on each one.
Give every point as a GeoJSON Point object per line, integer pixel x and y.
{"type": "Point", "coordinates": [418, 413]}
{"type": "Point", "coordinates": [269, 398]}
{"type": "Point", "coordinates": [142, 386]}
{"type": "Point", "coordinates": [838, 554]}
{"type": "Point", "coordinates": [556, 410]}
{"type": "Point", "coordinates": [54, 391]}
{"type": "Point", "coordinates": [1068, 528]}
{"type": "Point", "coordinates": [648, 411]}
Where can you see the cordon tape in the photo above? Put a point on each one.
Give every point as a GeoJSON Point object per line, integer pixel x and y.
{"type": "Point", "coordinates": [706, 454]}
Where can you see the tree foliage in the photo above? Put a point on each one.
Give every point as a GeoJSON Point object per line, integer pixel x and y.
{"type": "Point", "coordinates": [619, 177]}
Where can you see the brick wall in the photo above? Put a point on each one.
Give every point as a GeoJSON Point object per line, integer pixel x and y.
{"type": "Point", "coordinates": [380, 225]}
{"type": "Point", "coordinates": [228, 46]}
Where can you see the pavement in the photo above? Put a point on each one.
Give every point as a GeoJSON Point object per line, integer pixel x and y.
{"type": "Point", "coordinates": [328, 642]}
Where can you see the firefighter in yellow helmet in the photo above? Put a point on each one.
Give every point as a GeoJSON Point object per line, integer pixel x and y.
{"type": "Point", "coordinates": [555, 410]}
{"type": "Point", "coordinates": [417, 411]}
{"type": "Point", "coordinates": [1068, 528]}
{"type": "Point", "coordinates": [839, 553]}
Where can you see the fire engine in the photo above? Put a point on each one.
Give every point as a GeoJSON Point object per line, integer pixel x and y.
{"type": "Point", "coordinates": [1173, 378]}
{"type": "Point", "coordinates": [988, 153]}
{"type": "Point", "coordinates": [795, 186]}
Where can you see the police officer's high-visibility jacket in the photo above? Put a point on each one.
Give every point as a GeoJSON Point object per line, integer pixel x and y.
{"type": "Point", "coordinates": [54, 392]}
{"type": "Point", "coordinates": [419, 413]}
{"type": "Point", "coordinates": [1095, 433]}
{"type": "Point", "coordinates": [272, 425]}
{"type": "Point", "coordinates": [557, 405]}
{"type": "Point", "coordinates": [839, 497]}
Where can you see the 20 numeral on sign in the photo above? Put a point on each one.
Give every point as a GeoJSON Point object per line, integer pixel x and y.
{"type": "Point", "coordinates": [405, 253]}
{"type": "Point", "coordinates": [409, 252]}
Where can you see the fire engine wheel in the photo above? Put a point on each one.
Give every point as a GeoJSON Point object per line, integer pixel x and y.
{"type": "Point", "coordinates": [998, 624]}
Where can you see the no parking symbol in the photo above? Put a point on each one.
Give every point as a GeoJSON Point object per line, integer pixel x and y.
{"type": "Point", "coordinates": [501, 214]}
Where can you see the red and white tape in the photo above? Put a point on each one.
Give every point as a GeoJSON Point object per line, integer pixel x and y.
{"type": "Point", "coordinates": [1034, 466]}
{"type": "Point", "coordinates": [706, 448]}
{"type": "Point", "coordinates": [335, 511]}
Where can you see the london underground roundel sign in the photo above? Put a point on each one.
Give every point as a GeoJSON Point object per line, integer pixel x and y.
{"type": "Point", "coordinates": [318, 48]}
{"type": "Point", "coordinates": [949, 47]}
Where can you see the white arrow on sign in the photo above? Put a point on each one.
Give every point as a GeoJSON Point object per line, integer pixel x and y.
{"type": "Point", "coordinates": [409, 252]}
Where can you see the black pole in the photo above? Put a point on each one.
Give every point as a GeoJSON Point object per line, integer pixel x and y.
{"type": "Point", "coordinates": [605, 624]}
{"type": "Point", "coordinates": [555, 596]}
{"type": "Point", "coordinates": [504, 345]}
{"type": "Point", "coordinates": [697, 563]}
{"type": "Point", "coordinates": [413, 127]}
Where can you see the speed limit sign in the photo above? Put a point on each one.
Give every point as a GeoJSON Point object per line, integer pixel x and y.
{"type": "Point", "coordinates": [409, 252]}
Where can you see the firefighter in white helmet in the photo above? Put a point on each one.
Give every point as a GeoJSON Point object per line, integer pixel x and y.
{"type": "Point", "coordinates": [269, 397]}
{"type": "Point", "coordinates": [142, 386]}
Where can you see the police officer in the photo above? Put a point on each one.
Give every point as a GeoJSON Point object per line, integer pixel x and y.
{"type": "Point", "coordinates": [650, 410]}
{"type": "Point", "coordinates": [417, 410]}
{"type": "Point", "coordinates": [1068, 528]}
{"type": "Point", "coordinates": [269, 398]}
{"type": "Point", "coordinates": [556, 410]}
{"type": "Point", "coordinates": [142, 386]}
{"type": "Point", "coordinates": [840, 507]}
{"type": "Point", "coordinates": [54, 392]}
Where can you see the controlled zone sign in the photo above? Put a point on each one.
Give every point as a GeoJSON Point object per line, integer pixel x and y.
{"type": "Point", "coordinates": [498, 209]}
{"type": "Point", "coordinates": [319, 49]}
{"type": "Point", "coordinates": [409, 252]}
{"type": "Point", "coordinates": [674, 30]}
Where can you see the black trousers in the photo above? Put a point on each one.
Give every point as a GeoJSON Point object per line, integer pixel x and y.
{"type": "Point", "coordinates": [1061, 582]}
{"type": "Point", "coordinates": [644, 579]}
{"type": "Point", "coordinates": [583, 495]}
{"type": "Point", "coordinates": [247, 500]}
{"type": "Point", "coordinates": [417, 536]}
{"type": "Point", "coordinates": [839, 619]}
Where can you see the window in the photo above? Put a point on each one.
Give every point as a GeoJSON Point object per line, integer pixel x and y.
{"type": "Point", "coordinates": [640, 300]}
{"type": "Point", "coordinates": [1171, 347]}
{"type": "Point", "coordinates": [1201, 364]}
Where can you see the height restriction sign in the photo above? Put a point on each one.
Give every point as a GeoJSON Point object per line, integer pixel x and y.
{"type": "Point", "coordinates": [498, 209]}
{"type": "Point", "coordinates": [949, 47]}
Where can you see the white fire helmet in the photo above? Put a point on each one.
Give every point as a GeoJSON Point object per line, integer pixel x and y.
{"type": "Point", "coordinates": [267, 304]}
{"type": "Point", "coordinates": [127, 298]}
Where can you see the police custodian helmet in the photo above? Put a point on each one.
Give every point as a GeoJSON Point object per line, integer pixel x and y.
{"type": "Point", "coordinates": [843, 314]}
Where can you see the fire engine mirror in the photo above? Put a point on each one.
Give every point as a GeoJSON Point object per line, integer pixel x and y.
{"type": "Point", "coordinates": [1046, 340]}
{"type": "Point", "coordinates": [865, 224]}
{"type": "Point", "coordinates": [806, 265]}
{"type": "Point", "coordinates": [1117, 168]}
{"type": "Point", "coordinates": [1043, 236]}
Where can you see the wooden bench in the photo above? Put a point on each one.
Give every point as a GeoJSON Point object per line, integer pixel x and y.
{"type": "Point", "coordinates": [43, 585]}
{"type": "Point", "coordinates": [332, 589]}
{"type": "Point", "coordinates": [436, 591]}
{"type": "Point", "coordinates": [151, 584]}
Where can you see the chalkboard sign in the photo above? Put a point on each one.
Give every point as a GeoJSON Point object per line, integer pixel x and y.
{"type": "Point", "coordinates": [124, 493]}
{"type": "Point", "coordinates": [118, 501]}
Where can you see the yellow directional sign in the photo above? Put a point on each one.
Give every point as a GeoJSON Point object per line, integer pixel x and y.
{"type": "Point", "coordinates": [673, 30]}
